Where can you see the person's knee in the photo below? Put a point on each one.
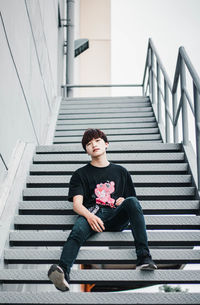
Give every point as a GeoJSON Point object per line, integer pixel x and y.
{"type": "Point", "coordinates": [133, 204]}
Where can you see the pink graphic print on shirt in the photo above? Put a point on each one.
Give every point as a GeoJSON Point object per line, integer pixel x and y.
{"type": "Point", "coordinates": [103, 191]}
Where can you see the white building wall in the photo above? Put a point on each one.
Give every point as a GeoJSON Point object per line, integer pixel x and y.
{"type": "Point", "coordinates": [95, 63]}
{"type": "Point", "coordinates": [31, 50]}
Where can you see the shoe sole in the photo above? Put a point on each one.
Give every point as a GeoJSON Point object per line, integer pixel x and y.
{"type": "Point", "coordinates": [56, 275]}
{"type": "Point", "coordinates": [148, 267]}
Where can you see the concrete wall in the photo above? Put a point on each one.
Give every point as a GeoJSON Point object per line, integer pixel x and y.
{"type": "Point", "coordinates": [31, 61]}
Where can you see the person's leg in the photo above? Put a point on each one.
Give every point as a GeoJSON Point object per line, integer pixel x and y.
{"type": "Point", "coordinates": [130, 211]}
{"type": "Point", "coordinates": [59, 274]}
{"type": "Point", "coordinates": [80, 233]}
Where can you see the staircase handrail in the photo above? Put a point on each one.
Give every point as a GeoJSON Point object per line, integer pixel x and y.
{"type": "Point", "coordinates": [152, 78]}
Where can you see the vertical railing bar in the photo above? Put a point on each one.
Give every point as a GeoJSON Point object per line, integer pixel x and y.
{"type": "Point", "coordinates": [175, 127]}
{"type": "Point", "coordinates": [66, 91]}
{"type": "Point", "coordinates": [197, 131]}
{"type": "Point", "coordinates": [150, 75]}
{"type": "Point", "coordinates": [184, 105]}
{"type": "Point", "coordinates": [152, 78]}
{"type": "Point", "coordinates": [167, 120]}
{"type": "Point", "coordinates": [158, 93]}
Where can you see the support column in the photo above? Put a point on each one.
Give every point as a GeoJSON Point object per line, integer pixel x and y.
{"type": "Point", "coordinates": [70, 47]}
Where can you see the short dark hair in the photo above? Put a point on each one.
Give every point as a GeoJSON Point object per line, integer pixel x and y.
{"type": "Point", "coordinates": [90, 134]}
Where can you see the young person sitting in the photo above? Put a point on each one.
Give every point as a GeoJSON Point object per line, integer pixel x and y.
{"type": "Point", "coordinates": [104, 197]}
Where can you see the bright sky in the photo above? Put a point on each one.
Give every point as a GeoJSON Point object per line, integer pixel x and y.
{"type": "Point", "coordinates": [170, 23]}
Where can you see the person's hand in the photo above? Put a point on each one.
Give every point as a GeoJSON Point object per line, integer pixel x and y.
{"type": "Point", "coordinates": [95, 223]}
{"type": "Point", "coordinates": [119, 201]}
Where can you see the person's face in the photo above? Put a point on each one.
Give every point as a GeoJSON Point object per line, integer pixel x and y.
{"type": "Point", "coordinates": [96, 147]}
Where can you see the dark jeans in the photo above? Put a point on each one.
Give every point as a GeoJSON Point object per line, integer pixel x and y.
{"type": "Point", "coordinates": [116, 219]}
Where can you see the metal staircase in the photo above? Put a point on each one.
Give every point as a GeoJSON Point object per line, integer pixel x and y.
{"type": "Point", "coordinates": [165, 185]}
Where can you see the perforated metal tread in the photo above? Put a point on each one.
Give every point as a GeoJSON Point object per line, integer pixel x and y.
{"type": "Point", "coordinates": [143, 137]}
{"type": "Point", "coordinates": [107, 99]}
{"type": "Point", "coordinates": [67, 221]}
{"type": "Point", "coordinates": [83, 118]}
{"type": "Point", "coordinates": [132, 168]}
{"type": "Point", "coordinates": [149, 207]}
{"type": "Point", "coordinates": [137, 131]}
{"type": "Point", "coordinates": [104, 127]}
{"type": "Point", "coordinates": [112, 157]}
{"type": "Point", "coordinates": [144, 180]}
{"type": "Point", "coordinates": [114, 277]}
{"type": "Point", "coordinates": [57, 238]}
{"type": "Point", "coordinates": [100, 256]}
{"type": "Point", "coordinates": [107, 113]}
{"type": "Point", "coordinates": [55, 298]}
{"type": "Point", "coordinates": [142, 192]}
{"type": "Point", "coordinates": [115, 105]}
{"type": "Point", "coordinates": [109, 132]}
{"type": "Point", "coordinates": [70, 298]}
{"type": "Point", "coordinates": [114, 147]}
{"type": "Point", "coordinates": [106, 121]}
{"type": "Point", "coordinates": [104, 105]}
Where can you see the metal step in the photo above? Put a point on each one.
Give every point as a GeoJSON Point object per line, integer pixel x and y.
{"type": "Point", "coordinates": [112, 157]}
{"type": "Point", "coordinates": [62, 169]}
{"type": "Point", "coordinates": [100, 256]}
{"type": "Point", "coordinates": [107, 121]}
{"type": "Point", "coordinates": [111, 298]}
{"type": "Point", "coordinates": [113, 133]}
{"type": "Point", "coordinates": [57, 238]}
{"type": "Point", "coordinates": [105, 127]}
{"type": "Point", "coordinates": [116, 101]}
{"type": "Point", "coordinates": [114, 147]}
{"type": "Point", "coordinates": [106, 99]}
{"type": "Point", "coordinates": [103, 277]}
{"type": "Point", "coordinates": [149, 207]}
{"type": "Point", "coordinates": [126, 109]}
{"type": "Point", "coordinates": [139, 180]}
{"type": "Point", "coordinates": [63, 222]}
{"type": "Point", "coordinates": [144, 137]}
{"type": "Point", "coordinates": [116, 104]}
{"type": "Point", "coordinates": [101, 115]}
{"type": "Point", "coordinates": [140, 191]}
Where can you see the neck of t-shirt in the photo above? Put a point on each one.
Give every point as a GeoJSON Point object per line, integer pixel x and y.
{"type": "Point", "coordinates": [100, 163]}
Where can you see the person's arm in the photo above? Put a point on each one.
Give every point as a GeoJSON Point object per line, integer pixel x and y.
{"type": "Point", "coordinates": [94, 221]}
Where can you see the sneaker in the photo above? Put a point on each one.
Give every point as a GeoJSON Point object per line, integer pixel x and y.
{"type": "Point", "coordinates": [145, 263]}
{"type": "Point", "coordinates": [58, 278]}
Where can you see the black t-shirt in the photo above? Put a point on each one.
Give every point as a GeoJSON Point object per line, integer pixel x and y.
{"type": "Point", "coordinates": [101, 185]}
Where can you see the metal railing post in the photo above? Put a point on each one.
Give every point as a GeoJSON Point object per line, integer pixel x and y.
{"type": "Point", "coordinates": [70, 46]}
{"type": "Point", "coordinates": [175, 128]}
{"type": "Point", "coordinates": [152, 78]}
{"type": "Point", "coordinates": [149, 68]}
{"type": "Point", "coordinates": [197, 129]}
{"type": "Point", "coordinates": [159, 115]}
{"type": "Point", "coordinates": [184, 105]}
{"type": "Point", "coordinates": [167, 119]}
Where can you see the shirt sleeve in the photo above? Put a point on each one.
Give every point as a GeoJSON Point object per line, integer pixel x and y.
{"type": "Point", "coordinates": [129, 186]}
{"type": "Point", "coordinates": [75, 186]}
